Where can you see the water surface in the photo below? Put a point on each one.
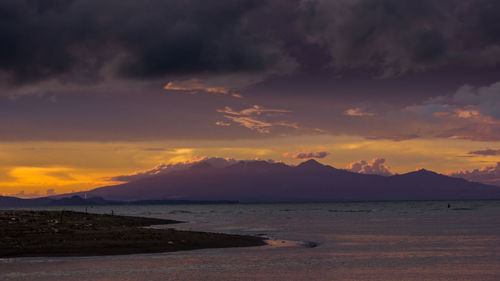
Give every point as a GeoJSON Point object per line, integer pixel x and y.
{"type": "Point", "coordinates": [356, 241]}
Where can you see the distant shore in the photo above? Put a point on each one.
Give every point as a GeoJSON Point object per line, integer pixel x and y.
{"type": "Point", "coordinates": [68, 233]}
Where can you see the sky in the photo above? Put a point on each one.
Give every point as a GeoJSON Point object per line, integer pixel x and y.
{"type": "Point", "coordinates": [91, 90]}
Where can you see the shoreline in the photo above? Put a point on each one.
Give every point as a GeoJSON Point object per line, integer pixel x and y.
{"type": "Point", "coordinates": [69, 233]}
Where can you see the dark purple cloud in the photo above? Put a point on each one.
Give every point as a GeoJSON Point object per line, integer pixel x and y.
{"type": "Point", "coordinates": [43, 39]}
{"type": "Point", "coordinates": [392, 37]}
{"type": "Point", "coordinates": [90, 39]}
{"type": "Point", "coordinates": [307, 155]}
{"type": "Point", "coordinates": [486, 152]}
{"type": "Point", "coordinates": [470, 113]}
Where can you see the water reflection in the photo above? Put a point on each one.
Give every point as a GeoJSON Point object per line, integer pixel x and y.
{"type": "Point", "coordinates": [391, 241]}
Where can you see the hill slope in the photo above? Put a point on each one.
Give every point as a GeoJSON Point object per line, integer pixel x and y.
{"type": "Point", "coordinates": [260, 181]}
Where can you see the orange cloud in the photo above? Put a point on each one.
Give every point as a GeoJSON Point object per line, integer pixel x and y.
{"type": "Point", "coordinates": [254, 110]}
{"type": "Point", "coordinates": [251, 123]}
{"type": "Point", "coordinates": [222, 124]}
{"type": "Point", "coordinates": [248, 118]}
{"type": "Point", "coordinates": [193, 86]}
{"type": "Point", "coordinates": [260, 119]}
{"type": "Point", "coordinates": [358, 112]}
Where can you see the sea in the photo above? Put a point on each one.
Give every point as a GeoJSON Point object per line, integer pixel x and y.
{"type": "Point", "coordinates": [404, 240]}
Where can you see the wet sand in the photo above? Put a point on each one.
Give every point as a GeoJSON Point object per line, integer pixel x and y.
{"type": "Point", "coordinates": [68, 233]}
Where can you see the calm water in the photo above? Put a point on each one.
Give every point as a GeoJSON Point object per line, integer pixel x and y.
{"type": "Point", "coordinates": [357, 241]}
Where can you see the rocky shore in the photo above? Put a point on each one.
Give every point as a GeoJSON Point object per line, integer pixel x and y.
{"type": "Point", "coordinates": [68, 233]}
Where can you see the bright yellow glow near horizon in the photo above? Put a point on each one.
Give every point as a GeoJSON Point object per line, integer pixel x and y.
{"type": "Point", "coordinates": [31, 169]}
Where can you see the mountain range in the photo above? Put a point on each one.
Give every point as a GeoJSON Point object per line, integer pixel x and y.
{"type": "Point", "coordinates": [262, 181]}
{"type": "Point", "coordinates": [75, 200]}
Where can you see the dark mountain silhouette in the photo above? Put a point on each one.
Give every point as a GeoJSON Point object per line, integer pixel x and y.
{"type": "Point", "coordinates": [261, 181]}
{"type": "Point", "coordinates": [6, 201]}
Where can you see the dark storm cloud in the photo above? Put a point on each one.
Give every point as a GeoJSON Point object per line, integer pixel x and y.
{"type": "Point", "coordinates": [486, 152]}
{"type": "Point", "coordinates": [107, 70]}
{"type": "Point", "coordinates": [480, 21]}
{"type": "Point", "coordinates": [421, 49]}
{"type": "Point", "coordinates": [140, 39]}
{"type": "Point", "coordinates": [147, 39]}
{"type": "Point", "coordinates": [387, 35]}
{"type": "Point", "coordinates": [392, 37]}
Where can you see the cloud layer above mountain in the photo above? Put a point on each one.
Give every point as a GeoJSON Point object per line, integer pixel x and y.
{"type": "Point", "coordinates": [488, 175]}
{"type": "Point", "coordinates": [306, 155]}
{"type": "Point", "coordinates": [161, 169]}
{"type": "Point", "coordinates": [376, 166]}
